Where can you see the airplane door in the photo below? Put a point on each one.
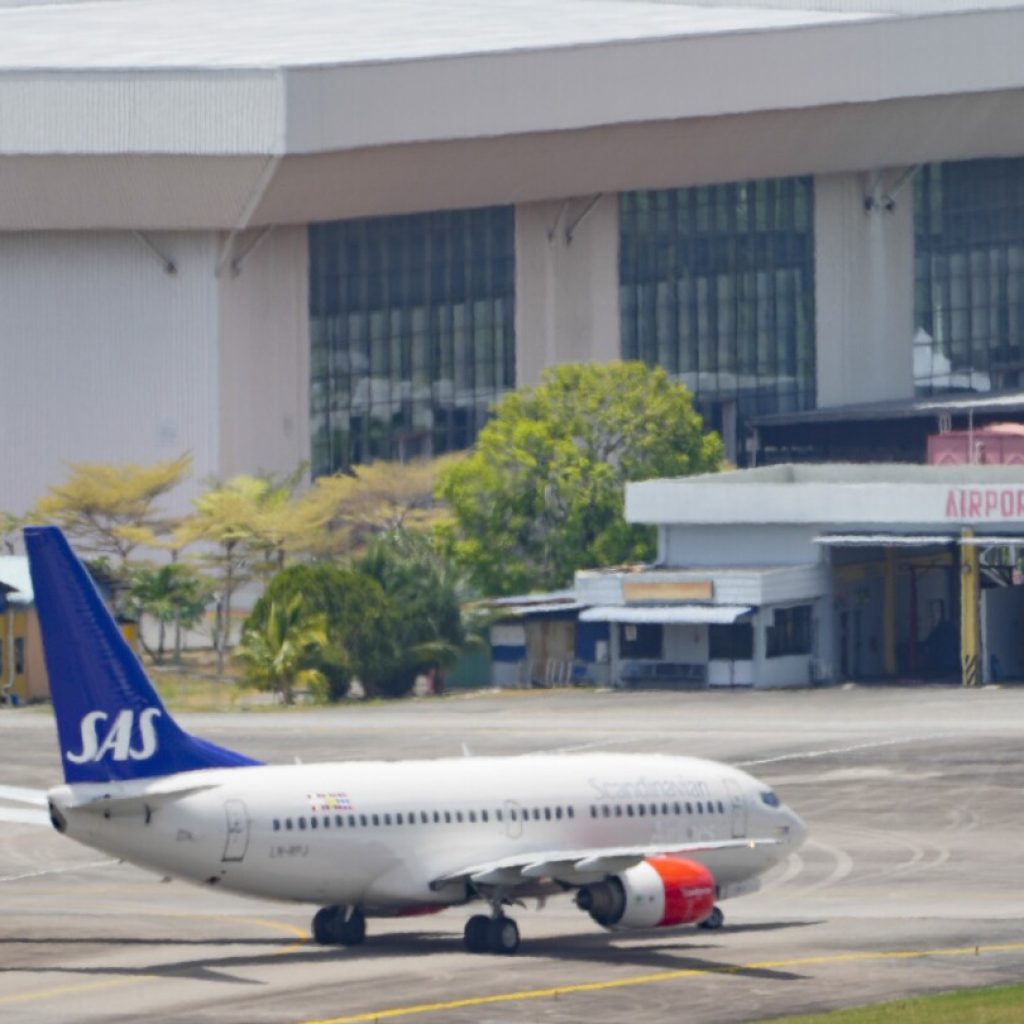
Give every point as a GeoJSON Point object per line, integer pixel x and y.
{"type": "Point", "coordinates": [237, 830]}
{"type": "Point", "coordinates": [513, 819]}
{"type": "Point", "coordinates": [737, 809]}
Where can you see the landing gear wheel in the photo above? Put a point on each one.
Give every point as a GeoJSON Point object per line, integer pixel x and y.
{"type": "Point", "coordinates": [713, 921]}
{"type": "Point", "coordinates": [332, 928]}
{"type": "Point", "coordinates": [323, 926]}
{"type": "Point", "coordinates": [502, 935]}
{"type": "Point", "coordinates": [352, 931]}
{"type": "Point", "coordinates": [476, 933]}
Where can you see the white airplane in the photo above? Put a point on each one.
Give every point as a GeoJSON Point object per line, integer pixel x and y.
{"type": "Point", "coordinates": [641, 840]}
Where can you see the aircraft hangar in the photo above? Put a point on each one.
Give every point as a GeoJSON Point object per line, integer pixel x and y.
{"type": "Point", "coordinates": [278, 230]}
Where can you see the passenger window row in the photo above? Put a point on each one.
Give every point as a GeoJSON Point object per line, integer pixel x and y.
{"type": "Point", "coordinates": [326, 821]}
{"type": "Point", "coordinates": [653, 809]}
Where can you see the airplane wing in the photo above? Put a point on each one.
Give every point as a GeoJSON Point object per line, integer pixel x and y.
{"type": "Point", "coordinates": [578, 867]}
{"type": "Point", "coordinates": [32, 809]}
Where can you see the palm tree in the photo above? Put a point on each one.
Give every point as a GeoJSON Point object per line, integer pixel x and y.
{"type": "Point", "coordinates": [283, 653]}
{"type": "Point", "coordinates": [173, 594]}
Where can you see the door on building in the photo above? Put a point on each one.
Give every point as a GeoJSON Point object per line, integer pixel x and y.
{"type": "Point", "coordinates": [1002, 633]}
{"type": "Point", "coordinates": [550, 650]}
{"type": "Point", "coordinates": [237, 830]}
{"type": "Point", "coordinates": [850, 640]}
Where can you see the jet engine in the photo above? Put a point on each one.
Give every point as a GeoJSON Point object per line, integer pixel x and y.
{"type": "Point", "coordinates": [658, 893]}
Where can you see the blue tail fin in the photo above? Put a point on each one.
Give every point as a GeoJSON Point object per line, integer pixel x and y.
{"type": "Point", "coordinates": [111, 723]}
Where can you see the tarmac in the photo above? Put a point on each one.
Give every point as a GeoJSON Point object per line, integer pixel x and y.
{"type": "Point", "coordinates": [910, 882]}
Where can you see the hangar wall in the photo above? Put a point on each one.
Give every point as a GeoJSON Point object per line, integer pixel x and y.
{"type": "Point", "coordinates": [567, 284]}
{"type": "Point", "coordinates": [105, 356]}
{"type": "Point", "coordinates": [864, 287]}
{"type": "Point", "coordinates": [264, 354]}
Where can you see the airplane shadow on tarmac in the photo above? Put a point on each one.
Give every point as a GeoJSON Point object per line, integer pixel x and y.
{"type": "Point", "coordinates": [580, 949]}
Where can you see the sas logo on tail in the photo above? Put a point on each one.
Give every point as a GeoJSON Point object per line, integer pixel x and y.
{"type": "Point", "coordinates": [118, 738]}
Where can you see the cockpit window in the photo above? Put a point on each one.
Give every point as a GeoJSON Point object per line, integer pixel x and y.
{"type": "Point", "coordinates": [769, 798]}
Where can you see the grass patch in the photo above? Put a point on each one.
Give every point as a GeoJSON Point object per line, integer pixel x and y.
{"type": "Point", "coordinates": [968, 1006]}
{"type": "Point", "coordinates": [183, 692]}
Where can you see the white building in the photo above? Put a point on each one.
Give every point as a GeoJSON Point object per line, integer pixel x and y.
{"type": "Point", "coordinates": [273, 230]}
{"type": "Point", "coordinates": [789, 575]}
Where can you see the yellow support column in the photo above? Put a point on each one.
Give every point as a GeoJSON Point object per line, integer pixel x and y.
{"type": "Point", "coordinates": [970, 594]}
{"type": "Point", "coordinates": [889, 614]}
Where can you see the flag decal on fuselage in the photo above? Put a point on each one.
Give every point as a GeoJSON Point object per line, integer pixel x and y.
{"type": "Point", "coordinates": [329, 802]}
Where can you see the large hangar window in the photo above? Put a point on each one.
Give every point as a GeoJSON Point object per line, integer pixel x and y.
{"type": "Point", "coordinates": [969, 276]}
{"type": "Point", "coordinates": [717, 287]}
{"type": "Point", "coordinates": [412, 332]}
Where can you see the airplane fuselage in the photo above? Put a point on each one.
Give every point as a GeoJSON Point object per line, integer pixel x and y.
{"type": "Point", "coordinates": [381, 834]}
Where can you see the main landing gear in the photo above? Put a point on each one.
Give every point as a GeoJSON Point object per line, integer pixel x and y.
{"type": "Point", "coordinates": [497, 934]}
{"type": "Point", "coordinates": [339, 926]}
{"type": "Point", "coordinates": [713, 921]}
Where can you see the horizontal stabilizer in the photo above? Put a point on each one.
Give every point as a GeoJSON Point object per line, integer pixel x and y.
{"type": "Point", "coordinates": [21, 795]}
{"type": "Point", "coordinates": [24, 816]}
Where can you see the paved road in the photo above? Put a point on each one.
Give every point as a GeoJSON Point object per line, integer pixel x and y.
{"type": "Point", "coordinates": [911, 881]}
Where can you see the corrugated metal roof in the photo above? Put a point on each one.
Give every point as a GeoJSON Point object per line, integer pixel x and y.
{"type": "Point", "coordinates": [545, 609]}
{"type": "Point", "coordinates": [885, 540]}
{"type": "Point", "coordinates": [540, 597]}
{"type": "Point", "coordinates": [665, 614]}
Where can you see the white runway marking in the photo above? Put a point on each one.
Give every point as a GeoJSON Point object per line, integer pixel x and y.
{"type": "Point", "coordinates": [844, 865]}
{"type": "Point", "coordinates": [59, 871]}
{"type": "Point", "coordinates": [841, 750]}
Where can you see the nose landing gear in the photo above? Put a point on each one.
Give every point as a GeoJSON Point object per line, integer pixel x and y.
{"type": "Point", "coordinates": [339, 926]}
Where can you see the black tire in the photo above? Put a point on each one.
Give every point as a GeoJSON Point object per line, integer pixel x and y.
{"type": "Point", "coordinates": [323, 926]}
{"type": "Point", "coordinates": [502, 935]}
{"type": "Point", "coordinates": [713, 921]}
{"type": "Point", "coordinates": [475, 935]}
{"type": "Point", "coordinates": [353, 931]}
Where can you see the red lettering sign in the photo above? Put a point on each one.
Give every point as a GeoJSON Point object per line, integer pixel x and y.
{"type": "Point", "coordinates": [985, 503]}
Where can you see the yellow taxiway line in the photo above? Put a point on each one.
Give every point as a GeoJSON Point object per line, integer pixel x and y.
{"type": "Point", "coordinates": [396, 1012]}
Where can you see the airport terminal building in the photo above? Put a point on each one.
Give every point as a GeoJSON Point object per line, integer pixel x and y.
{"type": "Point", "coordinates": [271, 231]}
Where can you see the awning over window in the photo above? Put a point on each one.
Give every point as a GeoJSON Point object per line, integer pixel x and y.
{"type": "Point", "coordinates": [666, 613]}
{"type": "Point", "coordinates": [980, 540]}
{"type": "Point", "coordinates": [885, 540]}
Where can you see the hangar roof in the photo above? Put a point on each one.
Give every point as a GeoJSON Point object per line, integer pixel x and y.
{"type": "Point", "coordinates": [138, 34]}
{"type": "Point", "coordinates": [210, 114]}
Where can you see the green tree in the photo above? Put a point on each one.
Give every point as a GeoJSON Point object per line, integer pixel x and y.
{"type": "Point", "coordinates": [173, 594]}
{"type": "Point", "coordinates": [425, 584]}
{"type": "Point", "coordinates": [542, 493]}
{"type": "Point", "coordinates": [284, 651]}
{"type": "Point", "coordinates": [360, 622]}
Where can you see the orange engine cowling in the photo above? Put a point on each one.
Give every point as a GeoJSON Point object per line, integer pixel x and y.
{"type": "Point", "coordinates": [659, 893]}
